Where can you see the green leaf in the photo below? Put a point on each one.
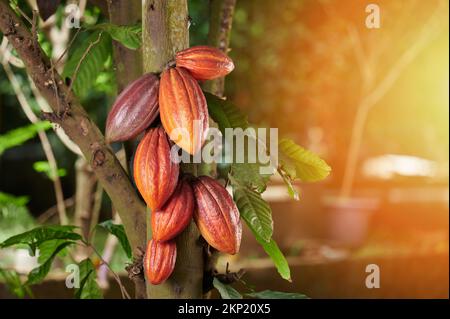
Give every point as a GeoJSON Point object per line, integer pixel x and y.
{"type": "Point", "coordinates": [226, 291]}
{"type": "Point", "coordinates": [300, 163]}
{"type": "Point", "coordinates": [92, 64]}
{"type": "Point", "coordinates": [106, 82]}
{"type": "Point", "coordinates": [89, 288]}
{"type": "Point", "coordinates": [12, 280]}
{"type": "Point", "coordinates": [271, 248]}
{"type": "Point", "coordinates": [8, 199]}
{"type": "Point", "coordinates": [38, 274]}
{"type": "Point", "coordinates": [129, 36]}
{"type": "Point", "coordinates": [44, 167]}
{"type": "Point", "coordinates": [292, 191]}
{"type": "Point", "coordinates": [47, 248]}
{"type": "Point", "coordinates": [258, 217]}
{"type": "Point", "coordinates": [14, 215]}
{"type": "Point", "coordinates": [35, 237]}
{"type": "Point", "coordinates": [225, 114]}
{"type": "Point", "coordinates": [270, 294]}
{"type": "Point", "coordinates": [119, 232]}
{"type": "Point", "coordinates": [248, 174]}
{"type": "Point", "coordinates": [20, 135]}
{"type": "Point", "coordinates": [254, 210]}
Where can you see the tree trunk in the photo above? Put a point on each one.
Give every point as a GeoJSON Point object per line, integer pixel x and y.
{"type": "Point", "coordinates": [128, 67]}
{"type": "Point", "coordinates": [220, 21]}
{"type": "Point", "coordinates": [128, 63]}
{"type": "Point", "coordinates": [165, 31]}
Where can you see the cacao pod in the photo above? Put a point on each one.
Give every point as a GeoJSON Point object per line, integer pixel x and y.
{"type": "Point", "coordinates": [204, 63]}
{"type": "Point", "coordinates": [155, 174]}
{"type": "Point", "coordinates": [134, 110]}
{"type": "Point", "coordinates": [159, 260]}
{"type": "Point", "coordinates": [183, 109]}
{"type": "Point", "coordinates": [217, 216]}
{"type": "Point", "coordinates": [175, 215]}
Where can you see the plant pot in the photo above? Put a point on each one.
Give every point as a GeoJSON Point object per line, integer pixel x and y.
{"type": "Point", "coordinates": [348, 220]}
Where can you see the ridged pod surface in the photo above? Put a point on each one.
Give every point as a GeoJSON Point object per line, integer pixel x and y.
{"type": "Point", "coordinates": [155, 174]}
{"type": "Point", "coordinates": [183, 109]}
{"type": "Point", "coordinates": [134, 110]}
{"type": "Point", "coordinates": [216, 215]}
{"type": "Point", "coordinates": [175, 215]}
{"type": "Point", "coordinates": [159, 260]}
{"type": "Point", "coordinates": [204, 62]}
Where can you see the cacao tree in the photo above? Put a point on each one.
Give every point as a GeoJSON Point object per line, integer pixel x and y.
{"type": "Point", "coordinates": [174, 218]}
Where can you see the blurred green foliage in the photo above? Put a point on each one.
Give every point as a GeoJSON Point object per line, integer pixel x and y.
{"type": "Point", "coordinates": [14, 215]}
{"type": "Point", "coordinates": [13, 281]}
{"type": "Point", "coordinates": [44, 167]}
{"type": "Point", "coordinates": [20, 135]}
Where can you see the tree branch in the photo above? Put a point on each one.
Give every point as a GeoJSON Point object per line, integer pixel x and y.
{"type": "Point", "coordinates": [84, 201]}
{"type": "Point", "coordinates": [426, 35]}
{"type": "Point", "coordinates": [220, 22]}
{"type": "Point", "coordinates": [78, 126]}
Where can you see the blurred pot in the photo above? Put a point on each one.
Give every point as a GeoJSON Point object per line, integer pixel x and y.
{"type": "Point", "coordinates": [348, 219]}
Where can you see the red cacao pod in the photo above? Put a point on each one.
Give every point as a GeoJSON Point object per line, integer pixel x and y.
{"type": "Point", "coordinates": [159, 260]}
{"type": "Point", "coordinates": [175, 215]}
{"type": "Point", "coordinates": [217, 216]}
{"type": "Point", "coordinates": [204, 63]}
{"type": "Point", "coordinates": [134, 110]}
{"type": "Point", "coordinates": [155, 174]}
{"type": "Point", "coordinates": [183, 109]}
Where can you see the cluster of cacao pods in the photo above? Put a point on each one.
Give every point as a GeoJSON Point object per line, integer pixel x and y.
{"type": "Point", "coordinates": [175, 200]}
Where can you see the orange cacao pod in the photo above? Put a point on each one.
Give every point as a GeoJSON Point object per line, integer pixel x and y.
{"type": "Point", "coordinates": [217, 216]}
{"type": "Point", "coordinates": [159, 260]}
{"type": "Point", "coordinates": [183, 109]}
{"type": "Point", "coordinates": [134, 110]}
{"type": "Point", "coordinates": [155, 174]}
{"type": "Point", "coordinates": [175, 215]}
{"type": "Point", "coordinates": [204, 63]}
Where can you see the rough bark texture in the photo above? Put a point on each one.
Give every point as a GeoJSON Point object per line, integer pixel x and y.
{"type": "Point", "coordinates": [220, 21]}
{"type": "Point", "coordinates": [70, 115]}
{"type": "Point", "coordinates": [165, 31]}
